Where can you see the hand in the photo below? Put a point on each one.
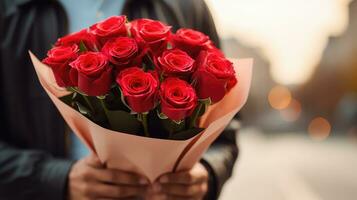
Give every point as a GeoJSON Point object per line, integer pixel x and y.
{"type": "Point", "coordinates": [89, 179]}
{"type": "Point", "coordinates": [185, 185]}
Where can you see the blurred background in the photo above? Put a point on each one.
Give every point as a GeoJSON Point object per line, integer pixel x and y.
{"type": "Point", "coordinates": [299, 135]}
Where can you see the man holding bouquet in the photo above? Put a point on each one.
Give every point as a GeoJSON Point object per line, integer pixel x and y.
{"type": "Point", "coordinates": [36, 157]}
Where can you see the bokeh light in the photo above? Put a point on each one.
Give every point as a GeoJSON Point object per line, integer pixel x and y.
{"type": "Point", "coordinates": [296, 49]}
{"type": "Point", "coordinates": [279, 97]}
{"type": "Point", "coordinates": [292, 112]}
{"type": "Point", "coordinates": [319, 128]}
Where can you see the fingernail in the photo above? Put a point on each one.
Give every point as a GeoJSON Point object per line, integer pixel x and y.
{"type": "Point", "coordinates": [164, 179]}
{"type": "Point", "coordinates": [143, 181]}
{"type": "Point", "coordinates": [156, 187]}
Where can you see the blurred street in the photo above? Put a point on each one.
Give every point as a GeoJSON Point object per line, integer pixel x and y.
{"type": "Point", "coordinates": [292, 166]}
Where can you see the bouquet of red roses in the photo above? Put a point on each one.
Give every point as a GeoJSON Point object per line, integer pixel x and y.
{"type": "Point", "coordinates": [132, 90]}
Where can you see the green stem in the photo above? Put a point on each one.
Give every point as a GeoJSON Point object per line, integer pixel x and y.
{"type": "Point", "coordinates": [89, 103]}
{"type": "Point", "coordinates": [144, 120]}
{"type": "Point", "coordinates": [103, 105]}
{"type": "Point", "coordinates": [195, 114]}
{"type": "Point", "coordinates": [171, 131]}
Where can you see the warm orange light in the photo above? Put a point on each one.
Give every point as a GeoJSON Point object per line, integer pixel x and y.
{"type": "Point", "coordinates": [279, 97]}
{"type": "Point", "coordinates": [292, 112]}
{"type": "Point", "coordinates": [319, 128]}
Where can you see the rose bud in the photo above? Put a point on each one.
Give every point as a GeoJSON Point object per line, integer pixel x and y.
{"type": "Point", "coordinates": [92, 73]}
{"type": "Point", "coordinates": [123, 52]}
{"type": "Point", "coordinates": [58, 58]}
{"type": "Point", "coordinates": [175, 62]}
{"type": "Point", "coordinates": [214, 76]}
{"type": "Point", "coordinates": [139, 88]}
{"type": "Point", "coordinates": [76, 38]}
{"type": "Point", "coordinates": [190, 41]}
{"type": "Point", "coordinates": [153, 34]}
{"type": "Point", "coordinates": [109, 28]}
{"type": "Point", "coordinates": [178, 98]}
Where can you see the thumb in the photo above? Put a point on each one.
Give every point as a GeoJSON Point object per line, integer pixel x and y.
{"type": "Point", "coordinates": [94, 161]}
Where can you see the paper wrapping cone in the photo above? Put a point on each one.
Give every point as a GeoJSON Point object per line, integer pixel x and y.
{"type": "Point", "coordinates": [150, 157]}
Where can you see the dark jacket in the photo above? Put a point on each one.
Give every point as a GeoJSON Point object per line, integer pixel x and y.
{"type": "Point", "coordinates": [33, 162]}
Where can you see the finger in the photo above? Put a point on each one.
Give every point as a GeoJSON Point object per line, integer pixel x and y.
{"type": "Point", "coordinates": [119, 177]}
{"type": "Point", "coordinates": [99, 190]}
{"type": "Point", "coordinates": [93, 161]}
{"type": "Point", "coordinates": [197, 190]}
{"type": "Point", "coordinates": [186, 177]}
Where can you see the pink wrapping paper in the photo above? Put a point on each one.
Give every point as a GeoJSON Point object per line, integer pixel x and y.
{"type": "Point", "coordinates": [149, 157]}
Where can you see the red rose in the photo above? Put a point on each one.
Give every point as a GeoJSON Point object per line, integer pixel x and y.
{"type": "Point", "coordinates": [211, 47]}
{"type": "Point", "coordinates": [178, 98]}
{"type": "Point", "coordinates": [76, 38]}
{"type": "Point", "coordinates": [139, 88]}
{"type": "Point", "coordinates": [109, 28]}
{"type": "Point", "coordinates": [58, 58]}
{"type": "Point", "coordinates": [175, 62]}
{"type": "Point", "coordinates": [123, 52]}
{"type": "Point", "coordinates": [190, 41]}
{"type": "Point", "coordinates": [214, 76]}
{"type": "Point", "coordinates": [154, 34]}
{"type": "Point", "coordinates": [93, 73]}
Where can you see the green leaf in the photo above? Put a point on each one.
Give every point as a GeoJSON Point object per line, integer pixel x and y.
{"type": "Point", "coordinates": [75, 94]}
{"type": "Point", "coordinates": [172, 127]}
{"type": "Point", "coordinates": [101, 97]}
{"type": "Point", "coordinates": [161, 78]}
{"type": "Point", "coordinates": [144, 66]}
{"type": "Point", "coordinates": [114, 101]}
{"type": "Point", "coordinates": [124, 122]}
{"type": "Point", "coordinates": [161, 115]}
{"type": "Point", "coordinates": [139, 117]}
{"type": "Point", "coordinates": [98, 113]}
{"type": "Point", "coordinates": [77, 90]}
{"type": "Point", "coordinates": [123, 98]}
{"type": "Point", "coordinates": [82, 47]}
{"type": "Point", "coordinates": [169, 45]}
{"type": "Point", "coordinates": [82, 109]}
{"type": "Point", "coordinates": [179, 122]}
{"type": "Point", "coordinates": [68, 99]}
{"type": "Point", "coordinates": [206, 102]}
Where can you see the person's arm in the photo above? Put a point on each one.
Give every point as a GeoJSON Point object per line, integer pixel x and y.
{"type": "Point", "coordinates": [219, 160]}
{"type": "Point", "coordinates": [30, 173]}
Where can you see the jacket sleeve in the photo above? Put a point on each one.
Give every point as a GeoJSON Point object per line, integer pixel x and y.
{"type": "Point", "coordinates": [28, 174]}
{"type": "Point", "coordinates": [220, 158]}
{"type": "Point", "coordinates": [219, 161]}
{"type": "Point", "coordinates": [35, 173]}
